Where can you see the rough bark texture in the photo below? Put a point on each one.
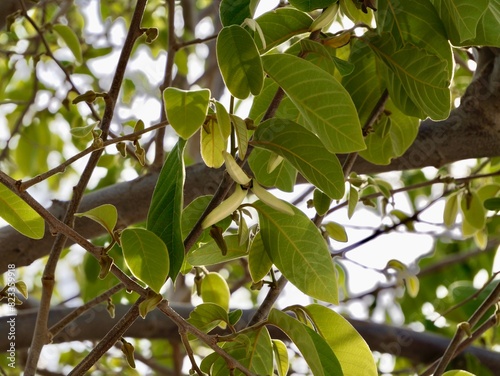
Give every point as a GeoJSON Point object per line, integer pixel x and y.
{"type": "Point", "coordinates": [92, 325]}
{"type": "Point", "coordinates": [471, 131]}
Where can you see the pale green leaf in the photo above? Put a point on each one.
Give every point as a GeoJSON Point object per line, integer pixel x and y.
{"type": "Point", "coordinates": [212, 144]}
{"type": "Point", "coordinates": [240, 128]}
{"type": "Point", "coordinates": [70, 38]}
{"type": "Point", "coordinates": [223, 119]}
{"type": "Point", "coordinates": [312, 90]}
{"type": "Point", "coordinates": [349, 347]}
{"type": "Point", "coordinates": [282, 177]}
{"type": "Point", "coordinates": [450, 210]}
{"type": "Point", "coordinates": [281, 24]}
{"type": "Point", "coordinates": [336, 231]}
{"type": "Point", "coordinates": [207, 316]}
{"type": "Point", "coordinates": [106, 215]}
{"type": "Point", "coordinates": [281, 357]}
{"type": "Point", "coordinates": [186, 110]}
{"type": "Point", "coordinates": [352, 201]}
{"type": "Point", "coordinates": [297, 248]}
{"type": "Point", "coordinates": [165, 210]}
{"type": "Point", "coordinates": [473, 210]}
{"type": "Point", "coordinates": [391, 137]}
{"type": "Point", "coordinates": [83, 131]}
{"type": "Point", "coordinates": [214, 289]}
{"type": "Point", "coordinates": [321, 202]}
{"type": "Point", "coordinates": [146, 256]}
{"type": "Point", "coordinates": [412, 285]}
{"type": "Point", "coordinates": [458, 372]}
{"type": "Point", "coordinates": [259, 263]}
{"type": "Point", "coordinates": [210, 254]}
{"type": "Point", "coordinates": [239, 62]}
{"type": "Point", "coordinates": [315, 350]}
{"type": "Point", "coordinates": [20, 215]}
{"type": "Point", "coordinates": [305, 152]}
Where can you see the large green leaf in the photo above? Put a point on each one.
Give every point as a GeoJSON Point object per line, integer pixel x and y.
{"type": "Point", "coordinates": [321, 99]}
{"type": "Point", "coordinates": [234, 12]}
{"type": "Point", "coordinates": [416, 23]}
{"type": "Point", "coordinates": [210, 253]}
{"type": "Point", "coordinates": [487, 29]}
{"type": "Point", "coordinates": [186, 110]}
{"type": "Point", "coordinates": [349, 347]}
{"type": "Point", "coordinates": [239, 62]}
{"type": "Point", "coordinates": [297, 248]}
{"type": "Point", "coordinates": [315, 350]}
{"type": "Point", "coordinates": [281, 24]}
{"type": "Point", "coordinates": [146, 256]}
{"type": "Point", "coordinates": [391, 137]}
{"type": "Point", "coordinates": [207, 316]}
{"type": "Point", "coordinates": [423, 75]}
{"type": "Point", "coordinates": [165, 210]}
{"type": "Point", "coordinates": [71, 39]}
{"type": "Point", "coordinates": [253, 349]}
{"type": "Point", "coordinates": [20, 215]}
{"type": "Point", "coordinates": [282, 177]}
{"type": "Point", "coordinates": [304, 151]}
{"type": "Point", "coordinates": [259, 263]}
{"type": "Point", "coordinates": [460, 17]}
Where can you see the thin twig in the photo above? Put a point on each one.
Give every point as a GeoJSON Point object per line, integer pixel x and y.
{"type": "Point", "coordinates": [108, 340]}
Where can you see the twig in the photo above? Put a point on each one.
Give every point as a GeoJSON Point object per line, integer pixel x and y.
{"type": "Point", "coordinates": [108, 340]}
{"type": "Point", "coordinates": [56, 328]}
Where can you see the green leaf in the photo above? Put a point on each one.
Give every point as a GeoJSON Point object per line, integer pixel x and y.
{"type": "Point", "coordinates": [207, 316]}
{"type": "Point", "coordinates": [83, 131]}
{"type": "Point", "coordinates": [282, 177]}
{"type": "Point", "coordinates": [279, 25]}
{"type": "Point", "coordinates": [321, 202]}
{"type": "Point", "coordinates": [193, 212]}
{"type": "Point", "coordinates": [186, 110]}
{"type": "Point", "coordinates": [392, 136]}
{"type": "Point", "coordinates": [460, 17]}
{"type": "Point", "coordinates": [450, 210]}
{"type": "Point", "coordinates": [309, 5]}
{"type": "Point", "coordinates": [352, 201]}
{"type": "Point", "coordinates": [212, 144]}
{"type": "Point", "coordinates": [214, 289]}
{"type": "Point", "coordinates": [259, 263]}
{"type": "Point", "coordinates": [473, 210]}
{"type": "Point", "coordinates": [146, 256]}
{"type": "Point", "coordinates": [106, 215]}
{"type": "Point", "coordinates": [412, 285]}
{"type": "Point", "coordinates": [458, 372]}
{"type": "Point", "coordinates": [492, 203]}
{"type": "Point", "coordinates": [424, 76]}
{"type": "Point", "coordinates": [223, 119]}
{"type": "Point", "coordinates": [165, 210]}
{"type": "Point", "coordinates": [239, 62]}
{"type": "Point", "coordinates": [210, 254]}
{"type": "Point", "coordinates": [311, 90]}
{"type": "Point", "coordinates": [297, 248]}
{"type": "Point", "coordinates": [20, 215]}
{"type": "Point", "coordinates": [336, 231]}
{"type": "Point", "coordinates": [305, 152]}
{"type": "Point", "coordinates": [486, 32]}
{"type": "Point", "coordinates": [253, 349]}
{"type": "Point", "coordinates": [240, 128]}
{"type": "Point", "coordinates": [315, 350]}
{"type": "Point", "coordinates": [281, 357]}
{"type": "Point", "coordinates": [234, 12]}
{"type": "Point", "coordinates": [69, 37]}
{"type": "Point", "coordinates": [349, 347]}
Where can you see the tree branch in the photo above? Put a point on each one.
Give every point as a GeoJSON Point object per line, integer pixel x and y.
{"type": "Point", "coordinates": [416, 346]}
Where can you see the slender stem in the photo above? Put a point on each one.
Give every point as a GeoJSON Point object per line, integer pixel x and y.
{"type": "Point", "coordinates": [269, 301]}
{"type": "Point", "coordinates": [56, 328]}
{"type": "Point", "coordinates": [108, 340]}
{"type": "Point", "coordinates": [189, 351]}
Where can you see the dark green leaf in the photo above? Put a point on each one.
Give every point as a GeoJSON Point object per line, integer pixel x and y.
{"type": "Point", "coordinates": [164, 216]}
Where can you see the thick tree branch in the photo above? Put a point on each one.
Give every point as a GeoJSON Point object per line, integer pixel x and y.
{"type": "Point", "coordinates": [471, 131]}
{"type": "Point", "coordinates": [416, 346]}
